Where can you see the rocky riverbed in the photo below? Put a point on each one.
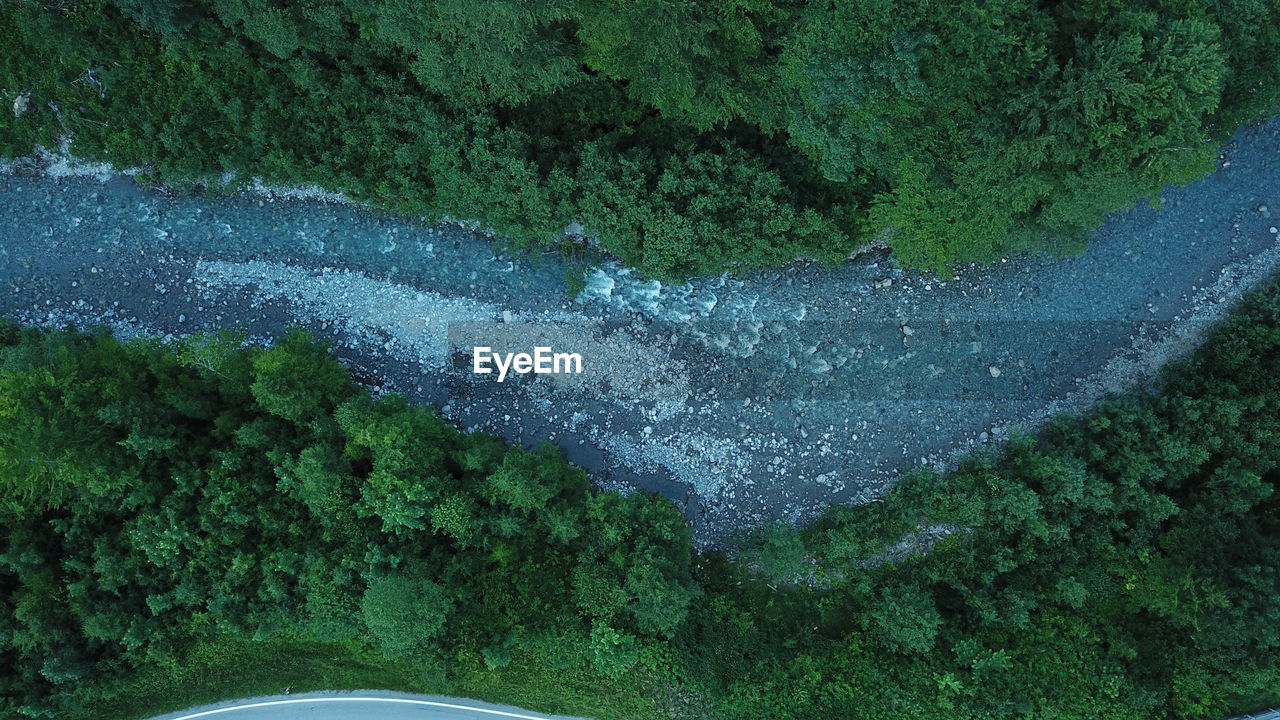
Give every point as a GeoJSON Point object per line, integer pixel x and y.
{"type": "Point", "coordinates": [740, 398]}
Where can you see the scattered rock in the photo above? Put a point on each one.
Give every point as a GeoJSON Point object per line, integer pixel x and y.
{"type": "Point", "coordinates": [720, 403]}
{"type": "Point", "coordinates": [21, 103]}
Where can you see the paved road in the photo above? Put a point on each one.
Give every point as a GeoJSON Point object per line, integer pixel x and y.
{"type": "Point", "coordinates": [357, 705]}
{"type": "Point", "coordinates": [383, 705]}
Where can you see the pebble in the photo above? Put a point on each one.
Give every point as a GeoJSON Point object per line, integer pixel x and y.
{"type": "Point", "coordinates": [727, 411]}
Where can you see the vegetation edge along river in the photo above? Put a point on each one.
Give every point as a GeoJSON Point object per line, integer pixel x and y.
{"type": "Point", "coordinates": [183, 518]}
{"type": "Point", "coordinates": [1119, 565]}
{"type": "Point", "coordinates": [686, 138]}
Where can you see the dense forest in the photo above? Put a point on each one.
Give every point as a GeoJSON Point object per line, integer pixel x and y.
{"type": "Point", "coordinates": [685, 136]}
{"type": "Point", "coordinates": [211, 505]}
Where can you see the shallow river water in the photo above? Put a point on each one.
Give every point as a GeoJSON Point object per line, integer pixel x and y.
{"type": "Point", "coordinates": [769, 395]}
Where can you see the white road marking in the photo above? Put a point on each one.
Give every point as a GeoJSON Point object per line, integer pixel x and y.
{"type": "Point", "coordinates": [403, 701]}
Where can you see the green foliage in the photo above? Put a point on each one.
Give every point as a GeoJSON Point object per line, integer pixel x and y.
{"type": "Point", "coordinates": [209, 499]}
{"type": "Point", "coordinates": [1119, 565]}
{"type": "Point", "coordinates": [157, 499]}
{"type": "Point", "coordinates": [907, 619]}
{"type": "Point", "coordinates": [404, 613]}
{"type": "Point", "coordinates": [167, 17]}
{"type": "Point", "coordinates": [686, 137]}
{"type": "Point", "coordinates": [477, 54]}
{"type": "Point", "coordinates": [612, 652]}
{"type": "Point", "coordinates": [696, 61]}
{"type": "Point", "coordinates": [297, 381]}
{"type": "Point", "coordinates": [777, 552]}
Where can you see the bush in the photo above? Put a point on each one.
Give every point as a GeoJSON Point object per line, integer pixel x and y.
{"type": "Point", "coordinates": [691, 138]}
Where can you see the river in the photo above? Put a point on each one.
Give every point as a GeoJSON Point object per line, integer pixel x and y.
{"type": "Point", "coordinates": [746, 398]}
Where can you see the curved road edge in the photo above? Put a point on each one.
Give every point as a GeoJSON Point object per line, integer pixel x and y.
{"type": "Point", "coordinates": [345, 705]}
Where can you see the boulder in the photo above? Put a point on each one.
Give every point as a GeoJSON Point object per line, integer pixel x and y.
{"type": "Point", "coordinates": [22, 103]}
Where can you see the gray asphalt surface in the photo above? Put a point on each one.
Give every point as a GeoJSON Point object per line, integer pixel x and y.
{"type": "Point", "coordinates": [770, 395]}
{"type": "Point", "coordinates": [357, 705]}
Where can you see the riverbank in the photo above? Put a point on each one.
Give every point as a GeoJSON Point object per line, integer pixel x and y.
{"type": "Point", "coordinates": [770, 395]}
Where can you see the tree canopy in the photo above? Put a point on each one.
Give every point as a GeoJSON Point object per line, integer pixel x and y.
{"type": "Point", "coordinates": [685, 137]}
{"type": "Point", "coordinates": [159, 501]}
